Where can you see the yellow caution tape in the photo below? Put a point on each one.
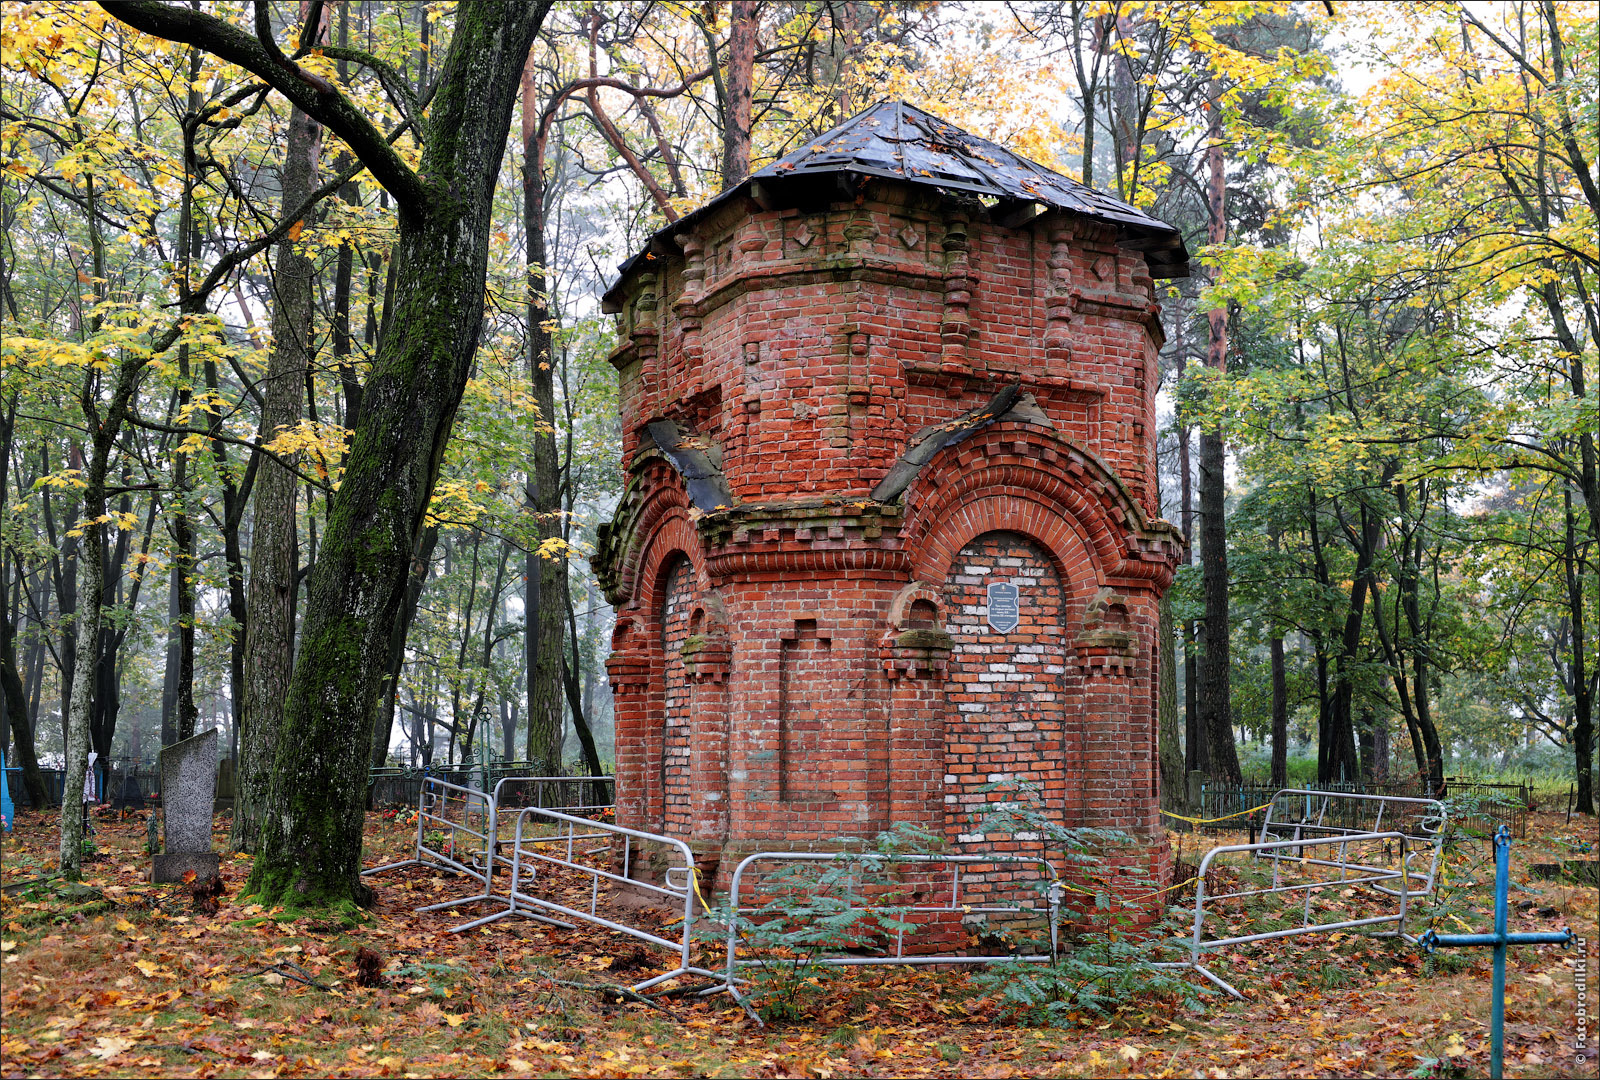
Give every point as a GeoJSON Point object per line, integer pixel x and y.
{"type": "Point", "coordinates": [694, 878]}
{"type": "Point", "coordinates": [1214, 820]}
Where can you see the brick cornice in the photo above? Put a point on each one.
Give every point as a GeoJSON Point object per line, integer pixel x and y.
{"type": "Point", "coordinates": [811, 271]}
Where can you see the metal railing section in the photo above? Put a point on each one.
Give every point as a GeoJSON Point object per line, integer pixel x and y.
{"type": "Point", "coordinates": [1351, 873]}
{"type": "Point", "coordinates": [454, 807]}
{"type": "Point", "coordinates": [1343, 813]}
{"type": "Point", "coordinates": [452, 811]}
{"type": "Point", "coordinates": [1050, 889]}
{"type": "Point", "coordinates": [559, 849]}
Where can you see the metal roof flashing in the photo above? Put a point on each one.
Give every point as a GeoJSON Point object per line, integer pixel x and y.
{"type": "Point", "coordinates": [895, 141]}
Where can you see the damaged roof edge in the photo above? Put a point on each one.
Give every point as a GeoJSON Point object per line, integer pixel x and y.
{"type": "Point", "coordinates": [1009, 404]}
{"type": "Point", "coordinates": [702, 477]}
{"type": "Point", "coordinates": [896, 141]}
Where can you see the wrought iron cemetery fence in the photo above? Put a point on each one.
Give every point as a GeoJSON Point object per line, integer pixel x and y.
{"type": "Point", "coordinates": [403, 787]}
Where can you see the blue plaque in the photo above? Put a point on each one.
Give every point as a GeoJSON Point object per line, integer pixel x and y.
{"type": "Point", "coordinates": [1002, 606]}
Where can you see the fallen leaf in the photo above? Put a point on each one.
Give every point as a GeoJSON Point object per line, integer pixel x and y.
{"type": "Point", "coordinates": [107, 1047]}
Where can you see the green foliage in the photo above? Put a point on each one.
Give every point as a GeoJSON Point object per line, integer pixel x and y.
{"type": "Point", "coordinates": [1101, 969]}
{"type": "Point", "coordinates": [814, 910]}
{"type": "Point", "coordinates": [1085, 983]}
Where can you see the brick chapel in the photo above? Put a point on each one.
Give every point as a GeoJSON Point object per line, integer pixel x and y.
{"type": "Point", "coordinates": [890, 531]}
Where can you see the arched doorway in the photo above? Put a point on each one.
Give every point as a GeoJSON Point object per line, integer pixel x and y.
{"type": "Point", "coordinates": [1005, 609]}
{"type": "Point", "coordinates": [677, 599]}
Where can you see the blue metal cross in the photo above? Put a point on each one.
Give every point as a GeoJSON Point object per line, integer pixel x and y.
{"type": "Point", "coordinates": [1499, 939]}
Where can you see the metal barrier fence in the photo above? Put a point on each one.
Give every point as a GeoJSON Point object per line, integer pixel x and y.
{"type": "Point", "coordinates": [448, 810]}
{"type": "Point", "coordinates": [1351, 873]}
{"type": "Point", "coordinates": [1223, 806]}
{"type": "Point", "coordinates": [559, 850]}
{"type": "Point", "coordinates": [1049, 888]}
{"type": "Point", "coordinates": [581, 795]}
{"type": "Point", "coordinates": [1295, 813]}
{"type": "Point", "coordinates": [445, 814]}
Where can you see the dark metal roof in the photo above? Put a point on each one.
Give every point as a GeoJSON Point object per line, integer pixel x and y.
{"type": "Point", "coordinates": [902, 142]}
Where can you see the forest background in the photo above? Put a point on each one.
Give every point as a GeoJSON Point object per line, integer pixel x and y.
{"type": "Point", "coordinates": [1378, 387]}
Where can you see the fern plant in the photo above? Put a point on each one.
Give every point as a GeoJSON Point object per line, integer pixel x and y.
{"type": "Point", "coordinates": [1109, 960]}
{"type": "Point", "coordinates": [815, 911]}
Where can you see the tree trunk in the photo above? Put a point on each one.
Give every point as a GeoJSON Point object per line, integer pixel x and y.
{"type": "Point", "coordinates": [13, 697]}
{"type": "Point", "coordinates": [1583, 682]}
{"type": "Point", "coordinates": [421, 566]}
{"type": "Point", "coordinates": [1197, 755]}
{"type": "Point", "coordinates": [739, 82]}
{"type": "Point", "coordinates": [1214, 691]}
{"type": "Point", "coordinates": [169, 677]}
{"type": "Point", "coordinates": [104, 429]}
{"type": "Point", "coordinates": [1280, 714]}
{"type": "Point", "coordinates": [275, 547]}
{"type": "Point", "coordinates": [1170, 750]}
{"type": "Point", "coordinates": [183, 538]}
{"type": "Point", "coordinates": [545, 577]}
{"type": "Point", "coordinates": [311, 832]}
{"type": "Point", "coordinates": [1341, 762]}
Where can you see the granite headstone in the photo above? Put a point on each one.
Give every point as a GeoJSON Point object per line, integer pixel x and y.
{"type": "Point", "coordinates": [188, 794]}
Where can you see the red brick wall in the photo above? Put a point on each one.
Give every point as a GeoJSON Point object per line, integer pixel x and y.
{"type": "Point", "coordinates": [809, 348]}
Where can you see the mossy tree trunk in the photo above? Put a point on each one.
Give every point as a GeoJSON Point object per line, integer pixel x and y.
{"type": "Point", "coordinates": [310, 849]}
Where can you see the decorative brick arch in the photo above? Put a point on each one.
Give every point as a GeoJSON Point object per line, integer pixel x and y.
{"type": "Point", "coordinates": [654, 498]}
{"type": "Point", "coordinates": [900, 606]}
{"type": "Point", "coordinates": [1021, 478]}
{"type": "Point", "coordinates": [1047, 525]}
{"type": "Point", "coordinates": [674, 534]}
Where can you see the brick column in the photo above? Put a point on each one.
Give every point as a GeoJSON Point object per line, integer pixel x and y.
{"type": "Point", "coordinates": [628, 669]}
{"type": "Point", "coordinates": [707, 660]}
{"type": "Point", "coordinates": [915, 662]}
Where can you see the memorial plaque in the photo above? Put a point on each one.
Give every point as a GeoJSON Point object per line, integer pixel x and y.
{"type": "Point", "coordinates": [1003, 607]}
